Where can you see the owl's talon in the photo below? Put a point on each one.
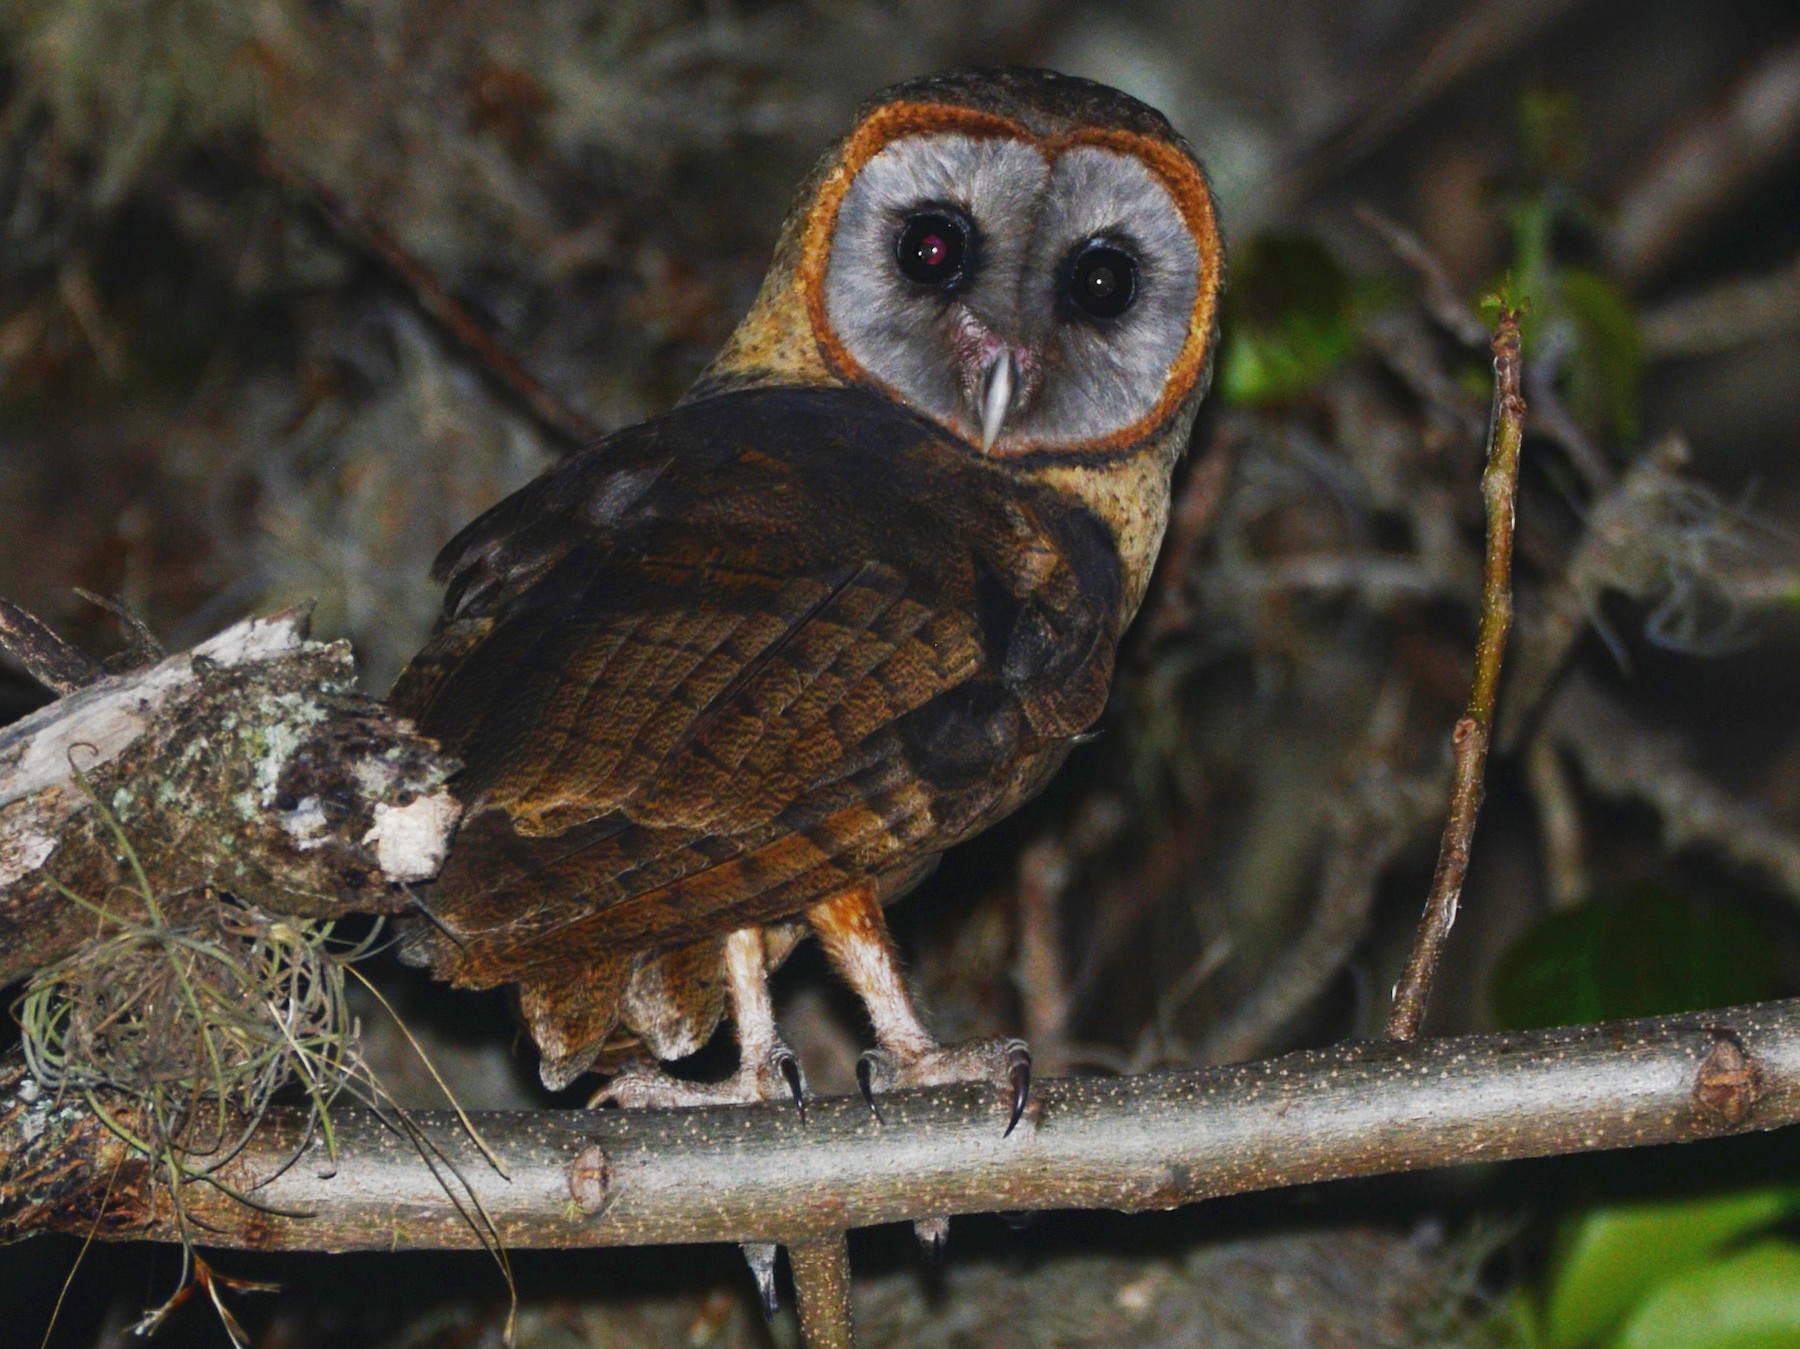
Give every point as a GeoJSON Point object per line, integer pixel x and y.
{"type": "Point", "coordinates": [933, 1234]}
{"type": "Point", "coordinates": [760, 1256]}
{"type": "Point", "coordinates": [865, 1079]}
{"type": "Point", "coordinates": [1018, 1072]}
{"type": "Point", "coordinates": [789, 1068]}
{"type": "Point", "coordinates": [642, 1085]}
{"type": "Point", "coordinates": [1004, 1063]}
{"type": "Point", "coordinates": [638, 1085]}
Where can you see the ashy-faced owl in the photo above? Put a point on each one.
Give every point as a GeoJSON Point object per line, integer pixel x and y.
{"type": "Point", "coordinates": [745, 671]}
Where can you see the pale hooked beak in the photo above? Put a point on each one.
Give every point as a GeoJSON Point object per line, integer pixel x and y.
{"type": "Point", "coordinates": [999, 382]}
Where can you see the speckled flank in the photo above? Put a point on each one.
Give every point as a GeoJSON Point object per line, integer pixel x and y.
{"type": "Point", "coordinates": [1132, 496]}
{"type": "Point", "coordinates": [774, 345]}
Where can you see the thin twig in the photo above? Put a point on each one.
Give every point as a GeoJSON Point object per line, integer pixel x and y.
{"type": "Point", "coordinates": [1736, 313]}
{"type": "Point", "coordinates": [755, 1173]}
{"type": "Point", "coordinates": [1556, 423]}
{"type": "Point", "coordinates": [1561, 835]}
{"type": "Point", "coordinates": [549, 410]}
{"type": "Point", "coordinates": [1706, 167]}
{"type": "Point", "coordinates": [822, 1290]}
{"type": "Point", "coordinates": [1621, 758]}
{"type": "Point", "coordinates": [1479, 35]}
{"type": "Point", "coordinates": [1040, 968]}
{"type": "Point", "coordinates": [1441, 300]}
{"type": "Point", "coordinates": [1369, 819]}
{"type": "Point", "coordinates": [46, 657]}
{"type": "Point", "coordinates": [1499, 489]}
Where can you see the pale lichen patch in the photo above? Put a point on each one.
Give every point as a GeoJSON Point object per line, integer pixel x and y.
{"type": "Point", "coordinates": [306, 824]}
{"type": "Point", "coordinates": [411, 841]}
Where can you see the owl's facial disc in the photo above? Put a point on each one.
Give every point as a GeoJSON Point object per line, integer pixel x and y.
{"type": "Point", "coordinates": [1026, 294]}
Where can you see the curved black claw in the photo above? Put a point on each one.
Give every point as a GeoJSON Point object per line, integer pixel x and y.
{"type": "Point", "coordinates": [933, 1235]}
{"type": "Point", "coordinates": [760, 1256]}
{"type": "Point", "coordinates": [789, 1067]}
{"type": "Point", "coordinates": [865, 1079]}
{"type": "Point", "coordinates": [1018, 1073]}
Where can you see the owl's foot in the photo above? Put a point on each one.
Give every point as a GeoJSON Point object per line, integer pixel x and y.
{"type": "Point", "coordinates": [855, 937]}
{"type": "Point", "coordinates": [1006, 1063]}
{"type": "Point", "coordinates": [769, 1076]}
{"type": "Point", "coordinates": [767, 1069]}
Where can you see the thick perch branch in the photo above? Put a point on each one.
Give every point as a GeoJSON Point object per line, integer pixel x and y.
{"type": "Point", "coordinates": [1499, 490]}
{"type": "Point", "coordinates": [609, 1178]}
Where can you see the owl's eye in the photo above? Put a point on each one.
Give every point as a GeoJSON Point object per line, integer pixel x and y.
{"type": "Point", "coordinates": [932, 249]}
{"type": "Point", "coordinates": [1102, 281]}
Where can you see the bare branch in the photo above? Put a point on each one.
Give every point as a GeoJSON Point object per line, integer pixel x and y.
{"type": "Point", "coordinates": [247, 764]}
{"type": "Point", "coordinates": [1499, 489]}
{"type": "Point", "coordinates": [46, 657]}
{"type": "Point", "coordinates": [1665, 541]}
{"type": "Point", "coordinates": [1370, 820]}
{"type": "Point", "coordinates": [1440, 298]}
{"type": "Point", "coordinates": [1041, 970]}
{"type": "Point", "coordinates": [1478, 35]}
{"type": "Point", "coordinates": [1619, 757]}
{"type": "Point", "coordinates": [1711, 164]}
{"type": "Point", "coordinates": [1734, 313]}
{"type": "Point", "coordinates": [574, 430]}
{"type": "Point", "coordinates": [822, 1288]}
{"type": "Point", "coordinates": [609, 1178]}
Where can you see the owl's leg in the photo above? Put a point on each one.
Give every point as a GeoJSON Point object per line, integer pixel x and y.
{"type": "Point", "coordinates": [855, 936]}
{"type": "Point", "coordinates": [767, 1068]}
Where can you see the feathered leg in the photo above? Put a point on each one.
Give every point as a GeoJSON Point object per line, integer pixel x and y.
{"type": "Point", "coordinates": [855, 936]}
{"type": "Point", "coordinates": [767, 1069]}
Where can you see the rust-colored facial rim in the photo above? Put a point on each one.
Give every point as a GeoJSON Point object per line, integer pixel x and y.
{"type": "Point", "coordinates": [1177, 172]}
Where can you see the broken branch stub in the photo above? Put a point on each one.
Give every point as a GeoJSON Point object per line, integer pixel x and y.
{"type": "Point", "coordinates": [249, 764]}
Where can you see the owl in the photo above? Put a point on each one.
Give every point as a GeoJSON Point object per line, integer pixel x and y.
{"type": "Point", "coordinates": [741, 674]}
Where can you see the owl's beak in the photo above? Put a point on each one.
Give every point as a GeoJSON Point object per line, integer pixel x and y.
{"type": "Point", "coordinates": [999, 382]}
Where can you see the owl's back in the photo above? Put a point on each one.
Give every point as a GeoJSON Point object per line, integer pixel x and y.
{"type": "Point", "coordinates": [723, 666]}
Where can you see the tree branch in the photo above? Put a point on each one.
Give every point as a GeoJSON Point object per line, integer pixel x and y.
{"type": "Point", "coordinates": [46, 657]}
{"type": "Point", "coordinates": [248, 764]}
{"type": "Point", "coordinates": [556, 415]}
{"type": "Point", "coordinates": [609, 1178]}
{"type": "Point", "coordinates": [822, 1289]}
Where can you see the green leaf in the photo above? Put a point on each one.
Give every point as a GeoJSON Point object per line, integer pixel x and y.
{"type": "Point", "coordinates": [1644, 952]}
{"type": "Point", "coordinates": [1613, 1257]}
{"type": "Point", "coordinates": [1750, 1300]}
{"type": "Point", "coordinates": [1288, 320]}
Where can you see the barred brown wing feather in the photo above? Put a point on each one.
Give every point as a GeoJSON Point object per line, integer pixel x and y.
{"type": "Point", "coordinates": [726, 667]}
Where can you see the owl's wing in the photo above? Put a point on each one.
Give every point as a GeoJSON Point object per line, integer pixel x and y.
{"type": "Point", "coordinates": [738, 671]}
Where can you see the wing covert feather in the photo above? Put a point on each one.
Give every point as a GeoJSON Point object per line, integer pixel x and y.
{"type": "Point", "coordinates": [697, 685]}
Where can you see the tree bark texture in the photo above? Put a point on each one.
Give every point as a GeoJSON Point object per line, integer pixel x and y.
{"type": "Point", "coordinates": [249, 764]}
{"type": "Point", "coordinates": [608, 1178]}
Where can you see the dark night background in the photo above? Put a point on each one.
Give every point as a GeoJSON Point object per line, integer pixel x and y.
{"type": "Point", "coordinates": [225, 385]}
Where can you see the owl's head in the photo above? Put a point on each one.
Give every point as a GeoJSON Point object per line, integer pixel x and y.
{"type": "Point", "coordinates": [1028, 259]}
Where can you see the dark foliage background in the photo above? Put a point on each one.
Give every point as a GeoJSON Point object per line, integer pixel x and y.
{"type": "Point", "coordinates": [229, 234]}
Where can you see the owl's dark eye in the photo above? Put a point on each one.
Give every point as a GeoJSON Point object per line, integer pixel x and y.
{"type": "Point", "coordinates": [932, 249]}
{"type": "Point", "coordinates": [1102, 281]}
